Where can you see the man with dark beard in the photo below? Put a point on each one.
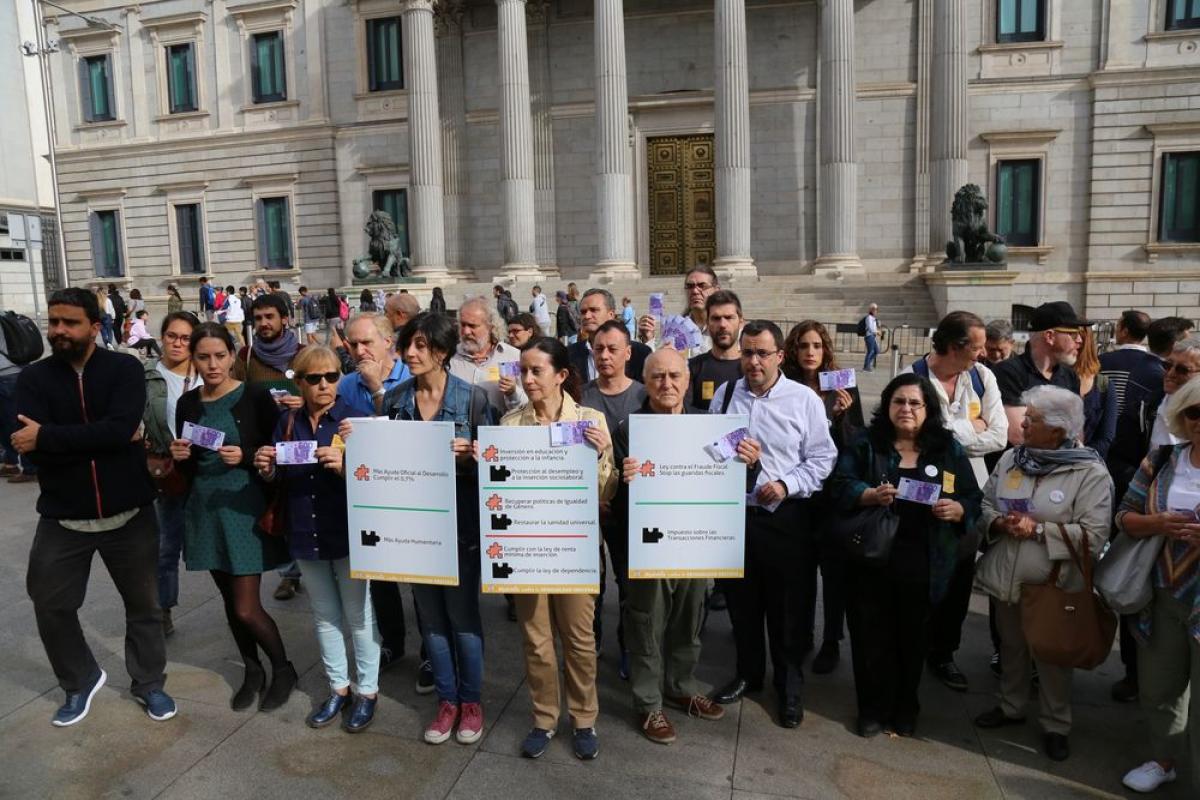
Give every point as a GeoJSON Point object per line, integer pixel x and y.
{"type": "Point", "coordinates": [80, 412]}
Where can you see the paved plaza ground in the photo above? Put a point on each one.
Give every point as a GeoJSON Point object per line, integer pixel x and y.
{"type": "Point", "coordinates": [208, 751]}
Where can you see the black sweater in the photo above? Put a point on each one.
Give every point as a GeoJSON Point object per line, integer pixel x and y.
{"type": "Point", "coordinates": [88, 464]}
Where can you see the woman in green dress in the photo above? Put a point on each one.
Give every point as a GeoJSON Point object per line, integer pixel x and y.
{"type": "Point", "coordinates": [223, 505]}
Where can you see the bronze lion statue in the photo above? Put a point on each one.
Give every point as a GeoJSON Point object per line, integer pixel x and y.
{"type": "Point", "coordinates": [972, 238]}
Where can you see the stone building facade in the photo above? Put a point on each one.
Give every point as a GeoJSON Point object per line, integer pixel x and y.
{"type": "Point", "coordinates": [524, 139]}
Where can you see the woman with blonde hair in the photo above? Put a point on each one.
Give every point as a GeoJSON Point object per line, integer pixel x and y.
{"type": "Point", "coordinates": [1099, 400]}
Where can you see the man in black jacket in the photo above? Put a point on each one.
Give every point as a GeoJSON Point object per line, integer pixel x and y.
{"type": "Point", "coordinates": [80, 411]}
{"type": "Point", "coordinates": [596, 307]}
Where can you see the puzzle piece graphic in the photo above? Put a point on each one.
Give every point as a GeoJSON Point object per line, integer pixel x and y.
{"type": "Point", "coordinates": [500, 522]}
{"type": "Point", "coordinates": [491, 454]}
{"type": "Point", "coordinates": [499, 474]}
{"type": "Point", "coordinates": [501, 571]}
{"type": "Point", "coordinates": [495, 550]}
{"type": "Point", "coordinates": [646, 470]}
{"type": "Point", "coordinates": [494, 503]}
{"type": "Point", "coordinates": [369, 538]}
{"type": "Point", "coordinates": [363, 473]}
{"type": "Point", "coordinates": [651, 535]}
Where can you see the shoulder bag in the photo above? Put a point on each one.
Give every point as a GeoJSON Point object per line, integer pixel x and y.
{"type": "Point", "coordinates": [868, 533]}
{"type": "Point", "coordinates": [1067, 629]}
{"type": "Point", "coordinates": [272, 522]}
{"type": "Point", "coordinates": [1123, 574]}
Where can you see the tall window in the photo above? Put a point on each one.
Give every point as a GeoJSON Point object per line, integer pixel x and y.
{"type": "Point", "coordinates": [181, 78]}
{"type": "Point", "coordinates": [188, 233]}
{"type": "Point", "coordinates": [96, 88]}
{"type": "Point", "coordinates": [267, 74]}
{"type": "Point", "coordinates": [1180, 205]}
{"type": "Point", "coordinates": [385, 69]}
{"type": "Point", "coordinates": [1020, 21]}
{"type": "Point", "coordinates": [274, 233]}
{"type": "Point", "coordinates": [1183, 14]}
{"type": "Point", "coordinates": [395, 203]}
{"type": "Point", "coordinates": [1017, 196]}
{"type": "Point", "coordinates": [106, 244]}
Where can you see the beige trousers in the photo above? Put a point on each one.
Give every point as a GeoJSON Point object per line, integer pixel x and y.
{"type": "Point", "coordinates": [1054, 683]}
{"type": "Point", "coordinates": [1169, 684]}
{"type": "Point", "coordinates": [570, 615]}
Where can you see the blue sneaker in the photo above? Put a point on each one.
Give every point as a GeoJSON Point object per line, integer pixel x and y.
{"type": "Point", "coordinates": [159, 705]}
{"type": "Point", "coordinates": [536, 742]}
{"type": "Point", "coordinates": [78, 703]}
{"type": "Point", "coordinates": [587, 746]}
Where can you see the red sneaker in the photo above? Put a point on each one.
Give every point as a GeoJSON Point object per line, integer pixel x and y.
{"type": "Point", "coordinates": [470, 725]}
{"type": "Point", "coordinates": [440, 729]}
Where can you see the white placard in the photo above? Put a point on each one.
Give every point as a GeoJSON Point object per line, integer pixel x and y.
{"type": "Point", "coordinates": [687, 511]}
{"type": "Point", "coordinates": [538, 515]}
{"type": "Point", "coordinates": [400, 498]}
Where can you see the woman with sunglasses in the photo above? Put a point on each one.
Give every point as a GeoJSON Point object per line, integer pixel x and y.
{"type": "Point", "coordinates": [553, 391]}
{"type": "Point", "coordinates": [1162, 501]}
{"type": "Point", "coordinates": [450, 623]}
{"type": "Point", "coordinates": [225, 499]}
{"type": "Point", "coordinates": [318, 536]}
{"type": "Point", "coordinates": [888, 604]}
{"type": "Point", "coordinates": [1046, 499]}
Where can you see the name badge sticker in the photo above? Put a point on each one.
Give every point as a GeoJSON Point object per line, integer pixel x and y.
{"type": "Point", "coordinates": [1015, 476]}
{"type": "Point", "coordinates": [707, 389]}
{"type": "Point", "coordinates": [947, 483]}
{"type": "Point", "coordinates": [931, 470]}
{"type": "Point", "coordinates": [1057, 496]}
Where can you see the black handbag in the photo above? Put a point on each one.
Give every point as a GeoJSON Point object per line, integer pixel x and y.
{"type": "Point", "coordinates": [868, 533]}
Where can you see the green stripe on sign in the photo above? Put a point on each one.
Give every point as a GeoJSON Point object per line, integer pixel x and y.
{"type": "Point", "coordinates": [687, 503]}
{"type": "Point", "coordinates": [534, 488]}
{"type": "Point", "coordinates": [405, 508]}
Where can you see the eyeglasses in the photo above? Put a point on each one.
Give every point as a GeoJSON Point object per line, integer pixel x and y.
{"type": "Point", "coordinates": [900, 402]}
{"type": "Point", "coordinates": [701, 286]}
{"type": "Point", "coordinates": [176, 337]}
{"type": "Point", "coordinates": [315, 378]}
{"type": "Point", "coordinates": [762, 355]}
{"type": "Point", "coordinates": [1192, 413]}
{"type": "Point", "coordinates": [1178, 368]}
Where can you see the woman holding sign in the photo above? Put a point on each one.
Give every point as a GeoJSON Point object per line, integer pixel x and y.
{"type": "Point", "coordinates": [909, 463]}
{"type": "Point", "coordinates": [220, 424]}
{"type": "Point", "coordinates": [306, 459]}
{"type": "Point", "coordinates": [808, 352]}
{"type": "Point", "coordinates": [553, 391]}
{"type": "Point", "coordinates": [1046, 499]}
{"type": "Point", "coordinates": [450, 622]}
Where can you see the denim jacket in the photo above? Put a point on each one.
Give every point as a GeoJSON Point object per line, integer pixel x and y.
{"type": "Point", "coordinates": [467, 407]}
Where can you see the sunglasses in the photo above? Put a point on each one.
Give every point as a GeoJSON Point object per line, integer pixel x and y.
{"type": "Point", "coordinates": [315, 378]}
{"type": "Point", "coordinates": [1192, 413]}
{"type": "Point", "coordinates": [1178, 369]}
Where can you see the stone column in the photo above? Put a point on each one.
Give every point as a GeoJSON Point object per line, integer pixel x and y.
{"type": "Point", "coordinates": [453, 107]}
{"type": "Point", "coordinates": [139, 106]}
{"type": "Point", "coordinates": [948, 124]}
{"type": "Point", "coordinates": [546, 235]}
{"type": "Point", "coordinates": [614, 198]}
{"type": "Point", "coordinates": [427, 233]}
{"type": "Point", "coordinates": [838, 237]}
{"type": "Point", "coordinates": [516, 145]}
{"type": "Point", "coordinates": [732, 140]}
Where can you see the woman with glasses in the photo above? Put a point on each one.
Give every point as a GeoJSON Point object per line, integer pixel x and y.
{"type": "Point", "coordinates": [889, 603]}
{"type": "Point", "coordinates": [318, 537]}
{"type": "Point", "coordinates": [1162, 501]}
{"type": "Point", "coordinates": [1179, 369]}
{"type": "Point", "coordinates": [807, 352]}
{"type": "Point", "coordinates": [553, 391]}
{"type": "Point", "coordinates": [1046, 498]}
{"type": "Point", "coordinates": [224, 502]}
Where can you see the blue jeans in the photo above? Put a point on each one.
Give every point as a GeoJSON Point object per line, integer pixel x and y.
{"type": "Point", "coordinates": [8, 423]}
{"type": "Point", "coordinates": [872, 352]}
{"type": "Point", "coordinates": [453, 612]}
{"type": "Point", "coordinates": [106, 330]}
{"type": "Point", "coordinates": [341, 604]}
{"type": "Point", "coordinates": [290, 570]}
{"type": "Point", "coordinates": [170, 547]}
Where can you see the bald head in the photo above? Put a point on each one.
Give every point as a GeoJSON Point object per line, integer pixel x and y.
{"type": "Point", "coordinates": [400, 308]}
{"type": "Point", "coordinates": [666, 379]}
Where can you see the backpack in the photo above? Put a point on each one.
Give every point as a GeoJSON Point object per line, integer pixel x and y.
{"type": "Point", "coordinates": [509, 309]}
{"type": "Point", "coordinates": [921, 367]}
{"type": "Point", "coordinates": [343, 309]}
{"type": "Point", "coordinates": [119, 307]}
{"type": "Point", "coordinates": [22, 339]}
{"type": "Point", "coordinates": [861, 328]}
{"type": "Point", "coordinates": [208, 298]}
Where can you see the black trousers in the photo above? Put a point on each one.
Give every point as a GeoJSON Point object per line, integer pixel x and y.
{"type": "Point", "coordinates": [389, 614]}
{"type": "Point", "coordinates": [1129, 649]}
{"type": "Point", "coordinates": [831, 560]}
{"type": "Point", "coordinates": [888, 611]}
{"type": "Point", "coordinates": [773, 590]}
{"type": "Point", "coordinates": [60, 563]}
{"type": "Point", "coordinates": [948, 617]}
{"type": "Point", "coordinates": [617, 543]}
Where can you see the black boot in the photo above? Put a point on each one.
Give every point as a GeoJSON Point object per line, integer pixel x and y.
{"type": "Point", "coordinates": [282, 682]}
{"type": "Point", "coordinates": [253, 683]}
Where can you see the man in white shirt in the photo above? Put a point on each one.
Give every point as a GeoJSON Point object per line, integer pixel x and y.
{"type": "Point", "coordinates": [235, 315]}
{"type": "Point", "coordinates": [481, 350]}
{"type": "Point", "coordinates": [974, 411]}
{"type": "Point", "coordinates": [871, 337]}
{"type": "Point", "coordinates": [540, 312]}
{"type": "Point", "coordinates": [794, 455]}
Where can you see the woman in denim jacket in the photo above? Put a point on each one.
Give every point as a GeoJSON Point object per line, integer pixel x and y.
{"type": "Point", "coordinates": [452, 629]}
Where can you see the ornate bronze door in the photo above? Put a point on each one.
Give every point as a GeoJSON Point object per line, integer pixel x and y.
{"type": "Point", "coordinates": [683, 230]}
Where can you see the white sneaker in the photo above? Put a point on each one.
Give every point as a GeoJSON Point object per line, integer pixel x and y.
{"type": "Point", "coordinates": [1148, 777]}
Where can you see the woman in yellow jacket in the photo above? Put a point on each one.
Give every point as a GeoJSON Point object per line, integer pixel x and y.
{"type": "Point", "coordinates": [553, 391]}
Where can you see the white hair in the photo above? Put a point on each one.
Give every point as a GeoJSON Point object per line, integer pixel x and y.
{"type": "Point", "coordinates": [496, 323]}
{"type": "Point", "coordinates": [1184, 398]}
{"type": "Point", "coordinates": [1060, 408]}
{"type": "Point", "coordinates": [1188, 345]}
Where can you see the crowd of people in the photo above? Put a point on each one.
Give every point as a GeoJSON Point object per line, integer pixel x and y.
{"type": "Point", "coordinates": [1043, 455]}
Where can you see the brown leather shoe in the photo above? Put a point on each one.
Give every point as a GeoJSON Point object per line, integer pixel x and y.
{"type": "Point", "coordinates": [697, 706]}
{"type": "Point", "coordinates": [657, 728]}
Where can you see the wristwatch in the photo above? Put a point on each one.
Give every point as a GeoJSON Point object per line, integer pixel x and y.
{"type": "Point", "coordinates": [380, 392]}
{"type": "Point", "coordinates": [1039, 531]}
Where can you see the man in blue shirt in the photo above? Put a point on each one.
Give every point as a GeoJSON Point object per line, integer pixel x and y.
{"type": "Point", "coordinates": [371, 341]}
